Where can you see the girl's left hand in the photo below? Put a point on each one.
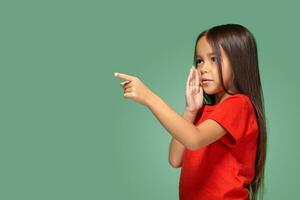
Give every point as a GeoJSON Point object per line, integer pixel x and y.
{"type": "Point", "coordinates": [135, 89]}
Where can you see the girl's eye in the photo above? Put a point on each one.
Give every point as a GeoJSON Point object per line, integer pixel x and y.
{"type": "Point", "coordinates": [212, 58]}
{"type": "Point", "coordinates": [198, 60]}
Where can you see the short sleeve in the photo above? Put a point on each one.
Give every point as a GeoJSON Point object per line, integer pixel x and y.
{"type": "Point", "coordinates": [233, 114]}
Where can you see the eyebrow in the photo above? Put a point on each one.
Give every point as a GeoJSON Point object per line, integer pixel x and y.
{"type": "Point", "coordinates": [211, 53]}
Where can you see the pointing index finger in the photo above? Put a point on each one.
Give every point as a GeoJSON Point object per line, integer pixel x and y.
{"type": "Point", "coordinates": [124, 76]}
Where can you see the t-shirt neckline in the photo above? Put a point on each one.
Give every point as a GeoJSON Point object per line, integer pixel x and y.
{"type": "Point", "coordinates": [212, 107]}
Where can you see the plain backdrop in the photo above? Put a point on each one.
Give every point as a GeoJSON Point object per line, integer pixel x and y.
{"type": "Point", "coordinates": [66, 132]}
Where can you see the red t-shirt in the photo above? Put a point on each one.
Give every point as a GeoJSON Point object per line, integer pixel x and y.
{"type": "Point", "coordinates": [223, 169]}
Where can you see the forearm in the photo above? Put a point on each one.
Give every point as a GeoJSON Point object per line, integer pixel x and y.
{"type": "Point", "coordinates": [176, 148]}
{"type": "Point", "coordinates": [182, 130]}
{"type": "Point", "coordinates": [190, 117]}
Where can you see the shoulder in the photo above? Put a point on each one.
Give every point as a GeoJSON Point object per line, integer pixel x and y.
{"type": "Point", "coordinates": [238, 98]}
{"type": "Point", "coordinates": [237, 102]}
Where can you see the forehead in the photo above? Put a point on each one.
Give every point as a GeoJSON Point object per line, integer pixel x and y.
{"type": "Point", "coordinates": [203, 48]}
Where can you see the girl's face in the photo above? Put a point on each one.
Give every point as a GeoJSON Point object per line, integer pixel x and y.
{"type": "Point", "coordinates": [207, 68]}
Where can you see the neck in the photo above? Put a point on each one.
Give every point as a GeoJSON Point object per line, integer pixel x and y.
{"type": "Point", "coordinates": [219, 97]}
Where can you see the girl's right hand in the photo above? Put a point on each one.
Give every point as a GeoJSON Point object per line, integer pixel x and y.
{"type": "Point", "coordinates": [193, 92]}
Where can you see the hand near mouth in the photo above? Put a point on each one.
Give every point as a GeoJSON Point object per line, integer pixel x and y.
{"type": "Point", "coordinates": [194, 91]}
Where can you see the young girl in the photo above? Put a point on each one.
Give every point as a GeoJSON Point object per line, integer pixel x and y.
{"type": "Point", "coordinates": [220, 141]}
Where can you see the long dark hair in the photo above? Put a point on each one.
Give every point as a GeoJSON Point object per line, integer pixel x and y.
{"type": "Point", "coordinates": [240, 46]}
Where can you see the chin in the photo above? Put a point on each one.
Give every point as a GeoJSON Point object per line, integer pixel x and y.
{"type": "Point", "coordinates": [209, 92]}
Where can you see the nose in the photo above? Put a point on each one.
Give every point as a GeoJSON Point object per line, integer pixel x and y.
{"type": "Point", "coordinates": [203, 69]}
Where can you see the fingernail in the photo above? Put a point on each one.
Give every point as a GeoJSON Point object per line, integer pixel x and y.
{"type": "Point", "coordinates": [116, 74]}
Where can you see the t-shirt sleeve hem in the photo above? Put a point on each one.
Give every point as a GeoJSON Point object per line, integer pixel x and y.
{"type": "Point", "coordinates": [229, 139]}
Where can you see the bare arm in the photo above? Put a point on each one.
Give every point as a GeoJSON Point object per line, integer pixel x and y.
{"type": "Point", "coordinates": [188, 134]}
{"type": "Point", "coordinates": [176, 148]}
{"type": "Point", "coordinates": [185, 132]}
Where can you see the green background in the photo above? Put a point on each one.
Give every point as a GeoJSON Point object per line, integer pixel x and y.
{"type": "Point", "coordinates": [66, 131]}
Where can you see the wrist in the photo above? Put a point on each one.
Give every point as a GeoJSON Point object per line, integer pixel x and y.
{"type": "Point", "coordinates": [189, 115]}
{"type": "Point", "coordinates": [151, 100]}
{"type": "Point", "coordinates": [191, 112]}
